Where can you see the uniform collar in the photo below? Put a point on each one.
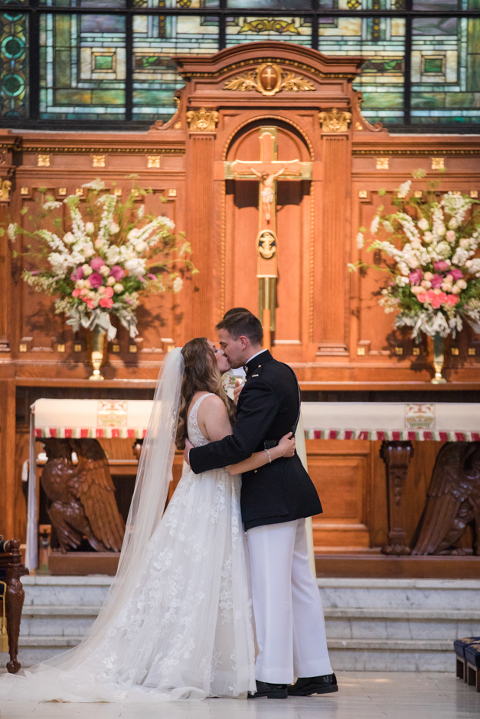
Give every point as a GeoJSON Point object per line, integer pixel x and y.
{"type": "Point", "coordinates": [257, 360]}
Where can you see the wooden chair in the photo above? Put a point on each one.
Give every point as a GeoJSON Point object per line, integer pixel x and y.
{"type": "Point", "coordinates": [12, 595]}
{"type": "Point", "coordinates": [472, 661]}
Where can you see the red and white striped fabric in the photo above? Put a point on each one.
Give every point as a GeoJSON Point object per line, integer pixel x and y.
{"type": "Point", "coordinates": [452, 422]}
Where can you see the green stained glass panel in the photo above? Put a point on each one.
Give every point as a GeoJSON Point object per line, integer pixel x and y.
{"type": "Point", "coordinates": [155, 40]}
{"type": "Point", "coordinates": [382, 41]}
{"type": "Point", "coordinates": [253, 29]}
{"type": "Point", "coordinates": [445, 70]}
{"type": "Point", "coordinates": [82, 67]}
{"type": "Point", "coordinates": [13, 65]}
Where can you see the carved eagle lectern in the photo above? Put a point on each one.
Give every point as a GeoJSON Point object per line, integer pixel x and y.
{"type": "Point", "coordinates": [453, 500]}
{"type": "Point", "coordinates": [82, 497]}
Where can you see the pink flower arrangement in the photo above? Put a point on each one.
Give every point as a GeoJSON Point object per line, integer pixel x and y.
{"type": "Point", "coordinates": [437, 299]}
{"type": "Point", "coordinates": [95, 279]}
{"type": "Point", "coordinates": [117, 272]}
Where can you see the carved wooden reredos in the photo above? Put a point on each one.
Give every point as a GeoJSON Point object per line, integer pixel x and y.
{"type": "Point", "coordinates": [328, 323]}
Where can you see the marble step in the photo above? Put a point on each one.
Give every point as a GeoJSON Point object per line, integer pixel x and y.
{"type": "Point", "coordinates": [349, 623]}
{"type": "Point", "coordinates": [346, 654]}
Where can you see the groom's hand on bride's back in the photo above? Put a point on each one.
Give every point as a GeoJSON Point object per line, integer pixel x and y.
{"type": "Point", "coordinates": [188, 447]}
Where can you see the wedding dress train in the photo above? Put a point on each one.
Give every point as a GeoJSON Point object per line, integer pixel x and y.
{"type": "Point", "coordinates": [184, 629]}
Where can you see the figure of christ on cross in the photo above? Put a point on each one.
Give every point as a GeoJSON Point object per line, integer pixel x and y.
{"type": "Point", "coordinates": [267, 192]}
{"type": "Point", "coordinates": [267, 170]}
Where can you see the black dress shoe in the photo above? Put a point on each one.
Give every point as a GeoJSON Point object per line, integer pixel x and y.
{"type": "Point", "coordinates": [270, 691]}
{"type": "Point", "coordinates": [306, 686]}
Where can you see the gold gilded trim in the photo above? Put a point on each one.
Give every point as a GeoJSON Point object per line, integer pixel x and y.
{"type": "Point", "coordinates": [62, 150]}
{"type": "Point", "coordinates": [268, 117]}
{"type": "Point", "coordinates": [425, 152]}
{"type": "Point", "coordinates": [268, 79]}
{"type": "Point", "coordinates": [283, 61]}
{"type": "Point", "coordinates": [202, 120]}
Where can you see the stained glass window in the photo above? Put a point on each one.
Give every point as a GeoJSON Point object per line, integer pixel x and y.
{"type": "Point", "coordinates": [155, 40]}
{"type": "Point", "coordinates": [13, 65]}
{"type": "Point", "coordinates": [382, 41]}
{"type": "Point", "coordinates": [65, 61]}
{"type": "Point", "coordinates": [252, 29]}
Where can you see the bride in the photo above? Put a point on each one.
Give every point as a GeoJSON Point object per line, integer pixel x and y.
{"type": "Point", "coordinates": [176, 623]}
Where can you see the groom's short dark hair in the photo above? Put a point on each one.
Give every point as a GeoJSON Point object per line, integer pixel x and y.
{"type": "Point", "coordinates": [239, 321]}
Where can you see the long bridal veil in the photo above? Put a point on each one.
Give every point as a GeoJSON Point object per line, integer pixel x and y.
{"type": "Point", "coordinates": [147, 506]}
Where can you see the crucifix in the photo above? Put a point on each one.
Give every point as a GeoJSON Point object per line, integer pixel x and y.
{"type": "Point", "coordinates": [268, 170]}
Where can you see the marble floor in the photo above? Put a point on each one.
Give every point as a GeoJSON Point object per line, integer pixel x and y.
{"type": "Point", "coordinates": [362, 695]}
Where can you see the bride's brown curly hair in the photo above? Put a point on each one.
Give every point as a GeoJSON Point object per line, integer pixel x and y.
{"type": "Point", "coordinates": [201, 375]}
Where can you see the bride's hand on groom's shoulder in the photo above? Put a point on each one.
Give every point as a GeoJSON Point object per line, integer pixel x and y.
{"type": "Point", "coordinates": [188, 447]}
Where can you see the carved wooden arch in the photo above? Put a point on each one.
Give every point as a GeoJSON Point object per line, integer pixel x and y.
{"type": "Point", "coordinates": [251, 120]}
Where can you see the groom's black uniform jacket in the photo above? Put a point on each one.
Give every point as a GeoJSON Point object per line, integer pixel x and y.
{"type": "Point", "coordinates": [267, 409]}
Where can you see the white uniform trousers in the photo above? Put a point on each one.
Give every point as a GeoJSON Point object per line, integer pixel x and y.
{"type": "Point", "coordinates": [288, 612]}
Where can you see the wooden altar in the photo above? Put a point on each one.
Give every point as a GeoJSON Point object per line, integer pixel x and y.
{"type": "Point", "coordinates": [327, 323]}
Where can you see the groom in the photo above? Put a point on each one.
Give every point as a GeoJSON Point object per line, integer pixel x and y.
{"type": "Point", "coordinates": [275, 500]}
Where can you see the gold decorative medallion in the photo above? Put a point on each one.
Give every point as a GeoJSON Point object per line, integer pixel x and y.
{"type": "Point", "coordinates": [24, 190]}
{"type": "Point", "coordinates": [5, 188]}
{"type": "Point", "coordinates": [474, 194]}
{"type": "Point", "coordinates": [471, 351]}
{"type": "Point", "coordinates": [382, 163]}
{"type": "Point", "coordinates": [153, 161]}
{"type": "Point", "coordinates": [99, 161]}
{"type": "Point", "coordinates": [177, 126]}
{"type": "Point", "coordinates": [268, 79]}
{"type": "Point", "coordinates": [363, 194]}
{"type": "Point", "coordinates": [61, 348]}
{"type": "Point", "coordinates": [334, 120]}
{"type": "Point", "coordinates": [117, 191]}
{"type": "Point", "coordinates": [438, 163]}
{"type": "Point", "coordinates": [43, 161]}
{"type": "Point", "coordinates": [62, 191]}
{"type": "Point", "coordinates": [361, 351]}
{"type": "Point", "coordinates": [416, 351]}
{"type": "Point", "coordinates": [172, 192]}
{"type": "Point", "coordinates": [202, 120]}
{"type": "Point", "coordinates": [267, 244]}
{"type": "Point", "coordinates": [77, 348]}
{"type": "Point", "coordinates": [358, 126]}
{"type": "Point", "coordinates": [270, 24]}
{"type": "Point", "coordinates": [79, 191]}
{"type": "Point", "coordinates": [417, 193]}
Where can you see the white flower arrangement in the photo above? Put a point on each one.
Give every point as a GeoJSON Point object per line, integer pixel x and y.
{"type": "Point", "coordinates": [104, 261]}
{"type": "Point", "coordinates": [431, 259]}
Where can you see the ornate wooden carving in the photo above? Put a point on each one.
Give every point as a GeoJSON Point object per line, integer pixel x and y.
{"type": "Point", "coordinates": [453, 500]}
{"type": "Point", "coordinates": [396, 456]}
{"type": "Point", "coordinates": [202, 120]}
{"type": "Point", "coordinates": [82, 497]}
{"type": "Point", "coordinates": [14, 599]}
{"type": "Point", "coordinates": [334, 120]}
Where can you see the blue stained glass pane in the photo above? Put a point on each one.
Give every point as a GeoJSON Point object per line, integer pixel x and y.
{"type": "Point", "coordinates": [155, 40]}
{"type": "Point", "coordinates": [13, 65]}
{"type": "Point", "coordinates": [445, 70]}
{"type": "Point", "coordinates": [382, 41]}
{"type": "Point", "coordinates": [82, 67]}
{"type": "Point", "coordinates": [270, 4]}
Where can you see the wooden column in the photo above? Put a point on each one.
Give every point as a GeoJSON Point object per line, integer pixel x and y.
{"type": "Point", "coordinates": [200, 222]}
{"type": "Point", "coordinates": [396, 456]}
{"type": "Point", "coordinates": [330, 296]}
{"type": "Point", "coordinates": [7, 457]}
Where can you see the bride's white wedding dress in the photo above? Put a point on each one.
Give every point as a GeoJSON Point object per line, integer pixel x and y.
{"type": "Point", "coordinates": [184, 630]}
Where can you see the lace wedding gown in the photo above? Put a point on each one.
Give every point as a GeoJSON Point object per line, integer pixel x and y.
{"type": "Point", "coordinates": [185, 629]}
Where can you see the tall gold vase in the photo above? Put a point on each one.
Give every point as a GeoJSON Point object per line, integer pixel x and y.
{"type": "Point", "coordinates": [98, 348]}
{"type": "Point", "coordinates": [438, 358]}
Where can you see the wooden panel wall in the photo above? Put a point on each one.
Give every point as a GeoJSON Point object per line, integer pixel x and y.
{"type": "Point", "coordinates": [330, 327]}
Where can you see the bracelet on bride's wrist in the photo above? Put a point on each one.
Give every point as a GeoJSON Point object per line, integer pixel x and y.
{"type": "Point", "coordinates": [269, 455]}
